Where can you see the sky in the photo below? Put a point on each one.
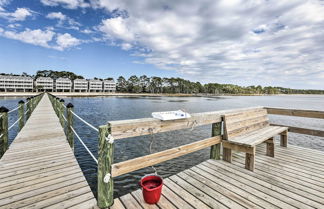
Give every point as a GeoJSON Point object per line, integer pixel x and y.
{"type": "Point", "coordinates": [243, 42]}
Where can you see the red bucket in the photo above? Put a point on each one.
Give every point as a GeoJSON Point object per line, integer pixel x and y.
{"type": "Point", "coordinates": [152, 188]}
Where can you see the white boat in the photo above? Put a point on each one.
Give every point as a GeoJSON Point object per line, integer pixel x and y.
{"type": "Point", "coordinates": [171, 115]}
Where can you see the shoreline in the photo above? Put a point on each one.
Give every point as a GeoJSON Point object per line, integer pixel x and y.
{"type": "Point", "coordinates": [106, 94]}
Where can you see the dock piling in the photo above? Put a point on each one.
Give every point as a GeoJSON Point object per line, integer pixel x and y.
{"type": "Point", "coordinates": [3, 130]}
{"type": "Point", "coordinates": [105, 161]}
{"type": "Point", "coordinates": [28, 108]}
{"type": "Point", "coordinates": [21, 114]}
{"type": "Point", "coordinates": [70, 135]}
{"type": "Point", "coordinates": [61, 111]}
{"type": "Point", "coordinates": [215, 149]}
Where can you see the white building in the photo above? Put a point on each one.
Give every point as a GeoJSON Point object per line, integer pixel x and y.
{"type": "Point", "coordinates": [44, 84]}
{"type": "Point", "coordinates": [16, 83]}
{"type": "Point", "coordinates": [63, 85]}
{"type": "Point", "coordinates": [95, 86]}
{"type": "Point", "coordinates": [109, 86]}
{"type": "Point", "coordinates": [80, 85]}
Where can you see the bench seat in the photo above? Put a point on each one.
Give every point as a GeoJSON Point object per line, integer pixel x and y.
{"type": "Point", "coordinates": [257, 137]}
{"type": "Point", "coordinates": [243, 131]}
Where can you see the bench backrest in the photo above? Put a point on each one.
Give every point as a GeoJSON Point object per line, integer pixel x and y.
{"type": "Point", "coordinates": [237, 124]}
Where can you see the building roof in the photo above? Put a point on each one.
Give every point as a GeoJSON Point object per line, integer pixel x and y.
{"type": "Point", "coordinates": [63, 79]}
{"type": "Point", "coordinates": [44, 78]}
{"type": "Point", "coordinates": [16, 77]}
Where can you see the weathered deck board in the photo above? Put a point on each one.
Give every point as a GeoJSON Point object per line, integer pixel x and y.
{"type": "Point", "coordinates": [39, 169]}
{"type": "Point", "coordinates": [293, 179]}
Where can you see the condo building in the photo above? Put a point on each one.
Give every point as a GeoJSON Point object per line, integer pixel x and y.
{"type": "Point", "coordinates": [95, 85]}
{"type": "Point", "coordinates": [109, 86]}
{"type": "Point", "coordinates": [16, 83]}
{"type": "Point", "coordinates": [44, 84]}
{"type": "Point", "coordinates": [80, 85]}
{"type": "Point", "coordinates": [63, 85]}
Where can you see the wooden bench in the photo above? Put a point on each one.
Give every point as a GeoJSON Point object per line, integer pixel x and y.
{"type": "Point", "coordinates": [244, 130]}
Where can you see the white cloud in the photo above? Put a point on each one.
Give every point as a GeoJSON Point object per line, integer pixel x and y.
{"type": "Point", "coordinates": [243, 42]}
{"type": "Point", "coordinates": [19, 15]}
{"type": "Point", "coordinates": [45, 38]}
{"type": "Point", "coordinates": [116, 28]}
{"type": "Point", "coordinates": [66, 41]}
{"type": "Point", "coordinates": [126, 46]}
{"type": "Point", "coordinates": [56, 15]}
{"type": "Point", "coordinates": [36, 37]}
{"type": "Point", "coordinates": [63, 20]}
{"type": "Point", "coordinates": [70, 4]}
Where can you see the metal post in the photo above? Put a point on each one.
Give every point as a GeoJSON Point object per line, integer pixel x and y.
{"type": "Point", "coordinates": [3, 130]}
{"type": "Point", "coordinates": [69, 115]}
{"type": "Point", "coordinates": [21, 114]}
{"type": "Point", "coordinates": [105, 181]}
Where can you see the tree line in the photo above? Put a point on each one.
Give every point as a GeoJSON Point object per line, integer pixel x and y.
{"type": "Point", "coordinates": [145, 84]}
{"type": "Point", "coordinates": [157, 85]}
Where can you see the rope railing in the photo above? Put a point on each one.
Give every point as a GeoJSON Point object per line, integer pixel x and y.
{"type": "Point", "coordinates": [66, 122]}
{"type": "Point", "coordinates": [85, 122]}
{"type": "Point", "coordinates": [13, 110]}
{"type": "Point", "coordinates": [14, 123]}
{"type": "Point", "coordinates": [84, 145]}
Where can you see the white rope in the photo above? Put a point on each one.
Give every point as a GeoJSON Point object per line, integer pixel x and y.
{"type": "Point", "coordinates": [85, 146]}
{"type": "Point", "coordinates": [91, 126]}
{"type": "Point", "coordinates": [14, 123]}
{"type": "Point", "coordinates": [13, 110]}
{"type": "Point", "coordinates": [152, 141]}
{"type": "Point", "coordinates": [64, 117]}
{"type": "Point", "coordinates": [26, 112]}
{"type": "Point", "coordinates": [1, 135]}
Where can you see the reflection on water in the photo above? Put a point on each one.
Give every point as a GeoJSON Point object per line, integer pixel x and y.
{"type": "Point", "coordinates": [100, 110]}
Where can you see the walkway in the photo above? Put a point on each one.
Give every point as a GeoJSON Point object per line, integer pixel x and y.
{"type": "Point", "coordinates": [39, 170]}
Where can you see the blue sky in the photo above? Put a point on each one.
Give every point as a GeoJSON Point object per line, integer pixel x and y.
{"type": "Point", "coordinates": [278, 43]}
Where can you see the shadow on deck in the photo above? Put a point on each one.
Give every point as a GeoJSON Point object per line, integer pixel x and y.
{"type": "Point", "coordinates": [293, 179]}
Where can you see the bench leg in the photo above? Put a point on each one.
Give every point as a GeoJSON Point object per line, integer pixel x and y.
{"type": "Point", "coordinates": [227, 155]}
{"type": "Point", "coordinates": [249, 161]}
{"type": "Point", "coordinates": [284, 139]}
{"type": "Point", "coordinates": [270, 147]}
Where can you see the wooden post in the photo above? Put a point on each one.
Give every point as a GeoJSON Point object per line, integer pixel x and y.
{"type": "Point", "coordinates": [21, 114]}
{"type": "Point", "coordinates": [227, 155]}
{"type": "Point", "coordinates": [61, 109]}
{"type": "Point", "coordinates": [215, 149]}
{"type": "Point", "coordinates": [69, 115]}
{"type": "Point", "coordinates": [270, 147]}
{"type": "Point", "coordinates": [57, 105]}
{"type": "Point", "coordinates": [284, 139]}
{"type": "Point", "coordinates": [28, 108]}
{"type": "Point", "coordinates": [249, 161]}
{"type": "Point", "coordinates": [105, 160]}
{"type": "Point", "coordinates": [3, 130]}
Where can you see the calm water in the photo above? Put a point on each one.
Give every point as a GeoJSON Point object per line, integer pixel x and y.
{"type": "Point", "coordinates": [99, 110]}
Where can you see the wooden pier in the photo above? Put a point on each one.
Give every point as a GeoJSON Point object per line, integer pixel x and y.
{"type": "Point", "coordinates": [39, 169]}
{"type": "Point", "coordinates": [293, 179]}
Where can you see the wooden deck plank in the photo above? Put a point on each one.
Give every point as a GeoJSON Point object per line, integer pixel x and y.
{"type": "Point", "coordinates": [199, 193]}
{"type": "Point", "coordinates": [289, 195]}
{"type": "Point", "coordinates": [276, 183]}
{"type": "Point", "coordinates": [39, 169]}
{"type": "Point", "coordinates": [240, 188]}
{"type": "Point", "coordinates": [130, 202]}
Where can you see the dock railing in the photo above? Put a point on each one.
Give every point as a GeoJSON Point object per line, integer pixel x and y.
{"type": "Point", "coordinates": [23, 114]}
{"type": "Point", "coordinates": [298, 113]}
{"type": "Point", "coordinates": [115, 130]}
